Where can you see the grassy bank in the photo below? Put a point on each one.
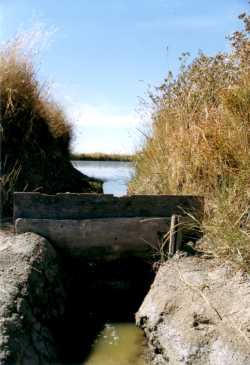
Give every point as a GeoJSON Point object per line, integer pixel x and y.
{"type": "Point", "coordinates": [98, 156]}
{"type": "Point", "coordinates": [200, 143]}
{"type": "Point", "coordinates": [35, 133]}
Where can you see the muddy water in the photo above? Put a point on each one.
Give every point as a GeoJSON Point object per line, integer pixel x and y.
{"type": "Point", "coordinates": [120, 343]}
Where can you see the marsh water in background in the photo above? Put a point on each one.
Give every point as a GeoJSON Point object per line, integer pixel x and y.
{"type": "Point", "coordinates": [120, 343]}
{"type": "Point", "coordinates": [115, 174]}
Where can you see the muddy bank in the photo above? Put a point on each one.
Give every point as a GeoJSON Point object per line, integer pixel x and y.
{"type": "Point", "coordinates": [31, 300]}
{"type": "Point", "coordinates": [52, 305]}
{"type": "Point", "coordinates": [197, 312]}
{"type": "Point", "coordinates": [6, 230]}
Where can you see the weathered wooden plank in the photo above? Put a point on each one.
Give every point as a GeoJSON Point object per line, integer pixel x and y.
{"type": "Point", "coordinates": [82, 206]}
{"type": "Point", "coordinates": [104, 239]}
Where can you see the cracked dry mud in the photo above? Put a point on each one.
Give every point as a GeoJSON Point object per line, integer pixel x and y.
{"type": "Point", "coordinates": [31, 300]}
{"type": "Point", "coordinates": [197, 312]}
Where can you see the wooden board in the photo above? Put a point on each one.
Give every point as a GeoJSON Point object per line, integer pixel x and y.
{"type": "Point", "coordinates": [103, 239]}
{"type": "Point", "coordinates": [82, 206]}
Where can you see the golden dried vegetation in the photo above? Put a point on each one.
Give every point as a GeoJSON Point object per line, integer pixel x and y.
{"type": "Point", "coordinates": [200, 143]}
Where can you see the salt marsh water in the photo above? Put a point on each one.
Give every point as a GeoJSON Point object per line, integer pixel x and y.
{"type": "Point", "coordinates": [115, 174]}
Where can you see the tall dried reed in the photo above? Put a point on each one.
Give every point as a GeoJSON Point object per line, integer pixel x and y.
{"type": "Point", "coordinates": [200, 143]}
{"type": "Point", "coordinates": [32, 125]}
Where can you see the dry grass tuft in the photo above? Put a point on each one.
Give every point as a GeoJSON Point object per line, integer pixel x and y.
{"type": "Point", "coordinates": [200, 143]}
{"type": "Point", "coordinates": [26, 107]}
{"type": "Point", "coordinates": [34, 131]}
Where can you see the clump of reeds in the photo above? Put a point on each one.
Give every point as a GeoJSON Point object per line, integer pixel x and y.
{"type": "Point", "coordinates": [35, 133]}
{"type": "Point", "coordinates": [200, 143]}
{"type": "Point", "coordinates": [26, 106]}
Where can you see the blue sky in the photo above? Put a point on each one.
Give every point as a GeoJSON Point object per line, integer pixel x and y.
{"type": "Point", "coordinates": [104, 54]}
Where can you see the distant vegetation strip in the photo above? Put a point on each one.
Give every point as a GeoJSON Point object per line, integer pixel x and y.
{"type": "Point", "coordinates": [97, 156]}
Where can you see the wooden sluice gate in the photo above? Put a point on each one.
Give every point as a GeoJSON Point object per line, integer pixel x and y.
{"type": "Point", "coordinates": [100, 226]}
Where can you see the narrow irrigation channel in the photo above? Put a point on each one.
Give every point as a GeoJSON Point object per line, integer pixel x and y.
{"type": "Point", "coordinates": [99, 326]}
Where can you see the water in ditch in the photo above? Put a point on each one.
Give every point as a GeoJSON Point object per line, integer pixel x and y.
{"type": "Point", "coordinates": [116, 343]}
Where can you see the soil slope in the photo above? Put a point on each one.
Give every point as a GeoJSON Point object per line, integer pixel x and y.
{"type": "Point", "coordinates": [31, 300]}
{"type": "Point", "coordinates": [197, 312]}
